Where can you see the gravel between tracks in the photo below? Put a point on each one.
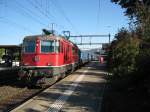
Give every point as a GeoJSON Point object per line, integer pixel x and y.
{"type": "Point", "coordinates": [12, 93]}
{"type": "Point", "coordinates": [10, 97]}
{"type": "Point", "coordinates": [8, 92]}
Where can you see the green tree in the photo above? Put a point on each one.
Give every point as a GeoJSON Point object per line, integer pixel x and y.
{"type": "Point", "coordinates": [135, 42]}
{"type": "Point", "coordinates": [1, 52]}
{"type": "Point", "coordinates": [132, 6]}
{"type": "Point", "coordinates": [139, 12]}
{"type": "Point", "coordinates": [124, 51]}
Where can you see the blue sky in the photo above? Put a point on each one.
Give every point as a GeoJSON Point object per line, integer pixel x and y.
{"type": "Point", "coordinates": [19, 18]}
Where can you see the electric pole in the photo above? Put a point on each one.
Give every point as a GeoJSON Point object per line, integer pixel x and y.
{"type": "Point", "coordinates": [52, 26]}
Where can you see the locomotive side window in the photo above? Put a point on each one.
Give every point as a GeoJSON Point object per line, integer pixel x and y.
{"type": "Point", "coordinates": [29, 46]}
{"type": "Point", "coordinates": [61, 47]}
{"type": "Point", "coordinates": [57, 47]}
{"type": "Point", "coordinates": [73, 50]}
{"type": "Point", "coordinates": [47, 46]}
{"type": "Point", "coordinates": [76, 51]}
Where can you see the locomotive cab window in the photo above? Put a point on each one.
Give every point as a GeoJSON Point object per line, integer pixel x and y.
{"type": "Point", "coordinates": [47, 46]}
{"type": "Point", "coordinates": [29, 46]}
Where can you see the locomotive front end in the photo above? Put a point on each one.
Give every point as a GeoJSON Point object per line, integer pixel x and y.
{"type": "Point", "coordinates": [37, 59]}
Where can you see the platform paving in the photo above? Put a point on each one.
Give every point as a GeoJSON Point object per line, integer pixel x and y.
{"type": "Point", "coordinates": [81, 91]}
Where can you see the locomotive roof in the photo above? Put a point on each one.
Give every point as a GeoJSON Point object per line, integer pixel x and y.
{"type": "Point", "coordinates": [41, 37]}
{"type": "Point", "coordinates": [48, 37]}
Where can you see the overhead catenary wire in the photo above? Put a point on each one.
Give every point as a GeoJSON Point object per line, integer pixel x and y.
{"type": "Point", "coordinates": [36, 6]}
{"type": "Point", "coordinates": [14, 24]}
{"type": "Point", "coordinates": [98, 13]}
{"type": "Point", "coordinates": [61, 11]}
{"type": "Point", "coordinates": [39, 5]}
{"type": "Point", "coordinates": [27, 12]}
{"type": "Point", "coordinates": [19, 8]}
{"type": "Point", "coordinates": [2, 8]}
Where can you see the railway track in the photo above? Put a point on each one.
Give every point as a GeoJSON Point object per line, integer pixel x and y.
{"type": "Point", "coordinates": [13, 93]}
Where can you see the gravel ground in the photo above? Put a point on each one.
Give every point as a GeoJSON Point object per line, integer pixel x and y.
{"type": "Point", "coordinates": [11, 97]}
{"type": "Point", "coordinates": [13, 92]}
{"type": "Point", "coordinates": [8, 92]}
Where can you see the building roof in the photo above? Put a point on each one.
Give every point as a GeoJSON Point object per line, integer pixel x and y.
{"type": "Point", "coordinates": [10, 46]}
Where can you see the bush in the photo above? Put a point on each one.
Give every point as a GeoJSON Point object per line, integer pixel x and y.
{"type": "Point", "coordinates": [123, 53]}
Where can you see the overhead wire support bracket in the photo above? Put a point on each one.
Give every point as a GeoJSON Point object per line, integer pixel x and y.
{"type": "Point", "coordinates": [90, 36]}
{"type": "Point", "coordinates": [90, 43]}
{"type": "Point", "coordinates": [72, 36]}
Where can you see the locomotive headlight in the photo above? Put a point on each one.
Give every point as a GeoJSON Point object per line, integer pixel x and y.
{"type": "Point", "coordinates": [25, 64]}
{"type": "Point", "coordinates": [49, 64]}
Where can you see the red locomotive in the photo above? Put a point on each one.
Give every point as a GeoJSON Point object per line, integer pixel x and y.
{"type": "Point", "coordinates": [47, 56]}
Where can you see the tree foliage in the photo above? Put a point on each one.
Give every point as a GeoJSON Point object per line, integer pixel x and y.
{"type": "Point", "coordinates": [124, 51]}
{"type": "Point", "coordinates": [132, 6]}
{"type": "Point", "coordinates": [129, 55]}
{"type": "Point", "coordinates": [139, 12]}
{"type": "Point", "coordinates": [130, 51]}
{"type": "Point", "coordinates": [1, 52]}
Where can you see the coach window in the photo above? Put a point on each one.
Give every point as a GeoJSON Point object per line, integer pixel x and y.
{"type": "Point", "coordinates": [47, 46]}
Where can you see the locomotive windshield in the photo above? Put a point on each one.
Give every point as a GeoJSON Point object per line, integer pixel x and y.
{"type": "Point", "coordinates": [47, 46]}
{"type": "Point", "coordinates": [29, 46]}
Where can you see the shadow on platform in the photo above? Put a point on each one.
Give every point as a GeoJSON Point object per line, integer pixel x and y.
{"type": "Point", "coordinates": [87, 94]}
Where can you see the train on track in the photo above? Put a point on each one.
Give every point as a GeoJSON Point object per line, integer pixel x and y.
{"type": "Point", "coordinates": [46, 58]}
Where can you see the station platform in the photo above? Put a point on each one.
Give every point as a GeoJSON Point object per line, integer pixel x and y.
{"type": "Point", "coordinates": [81, 91]}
